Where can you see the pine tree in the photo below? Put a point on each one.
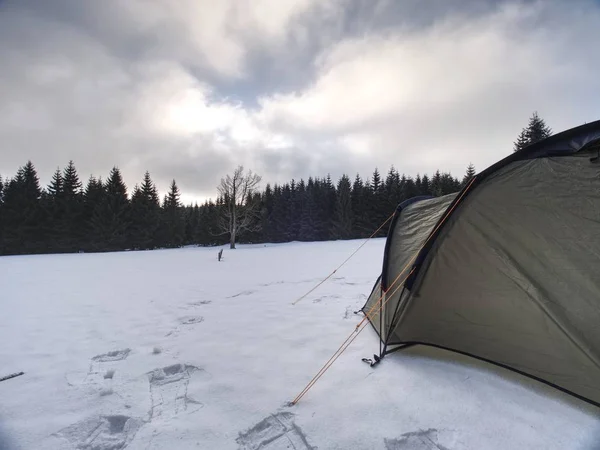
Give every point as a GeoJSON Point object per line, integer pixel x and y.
{"type": "Point", "coordinates": [73, 227]}
{"type": "Point", "coordinates": [266, 215]}
{"type": "Point", "coordinates": [328, 206]}
{"type": "Point", "coordinates": [436, 184]}
{"type": "Point", "coordinates": [279, 216]}
{"type": "Point", "coordinates": [173, 223]}
{"type": "Point", "coordinates": [71, 182]}
{"type": "Point", "coordinates": [359, 194]}
{"type": "Point", "coordinates": [145, 215]}
{"type": "Point", "coordinates": [53, 201]}
{"type": "Point", "coordinates": [425, 186]}
{"type": "Point", "coordinates": [137, 229]}
{"type": "Point", "coordinates": [309, 221]}
{"type": "Point", "coordinates": [536, 130]}
{"type": "Point", "coordinates": [392, 188]}
{"type": "Point", "coordinates": [343, 220]}
{"type": "Point", "coordinates": [409, 188]}
{"type": "Point", "coordinates": [111, 219]}
{"type": "Point", "coordinates": [192, 222]}
{"type": "Point", "coordinates": [22, 214]}
{"type": "Point", "coordinates": [469, 174]}
{"type": "Point", "coordinates": [56, 186]}
{"type": "Point", "coordinates": [93, 201]}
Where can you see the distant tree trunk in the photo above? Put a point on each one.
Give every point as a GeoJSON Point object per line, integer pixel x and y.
{"type": "Point", "coordinates": [232, 236]}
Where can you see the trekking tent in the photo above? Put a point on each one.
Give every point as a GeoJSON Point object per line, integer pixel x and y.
{"type": "Point", "coordinates": [507, 270]}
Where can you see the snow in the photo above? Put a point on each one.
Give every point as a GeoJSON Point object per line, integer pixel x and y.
{"type": "Point", "coordinates": [172, 349]}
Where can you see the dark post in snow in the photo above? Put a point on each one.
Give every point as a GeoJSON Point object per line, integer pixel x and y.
{"type": "Point", "coordinates": [12, 375]}
{"type": "Point", "coordinates": [220, 254]}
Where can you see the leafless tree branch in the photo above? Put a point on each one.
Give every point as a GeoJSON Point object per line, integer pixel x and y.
{"type": "Point", "coordinates": [240, 208]}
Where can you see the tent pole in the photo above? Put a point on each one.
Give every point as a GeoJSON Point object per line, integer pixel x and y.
{"type": "Point", "coordinates": [381, 322]}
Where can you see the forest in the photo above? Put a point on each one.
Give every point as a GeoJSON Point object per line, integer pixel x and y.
{"type": "Point", "coordinates": [70, 215]}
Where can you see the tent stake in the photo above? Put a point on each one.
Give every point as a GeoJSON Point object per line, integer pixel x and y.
{"type": "Point", "coordinates": [12, 375]}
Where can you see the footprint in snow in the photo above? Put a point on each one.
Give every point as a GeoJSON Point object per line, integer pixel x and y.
{"type": "Point", "coordinates": [326, 297]}
{"type": "Point", "coordinates": [169, 390]}
{"type": "Point", "coordinates": [200, 303]}
{"type": "Point", "coordinates": [416, 440]}
{"type": "Point", "coordinates": [186, 320]}
{"type": "Point", "coordinates": [277, 431]}
{"type": "Point", "coordinates": [190, 320]}
{"type": "Point", "coordinates": [243, 293]}
{"type": "Point", "coordinates": [273, 283]}
{"type": "Point", "coordinates": [101, 432]}
{"type": "Point", "coordinates": [349, 313]}
{"type": "Point", "coordinates": [102, 370]}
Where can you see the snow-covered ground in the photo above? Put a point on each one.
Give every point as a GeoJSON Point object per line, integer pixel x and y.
{"type": "Point", "coordinates": [171, 349]}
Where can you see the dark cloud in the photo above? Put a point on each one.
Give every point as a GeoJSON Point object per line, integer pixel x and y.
{"type": "Point", "coordinates": [190, 89]}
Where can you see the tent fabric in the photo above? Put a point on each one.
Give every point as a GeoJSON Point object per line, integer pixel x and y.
{"type": "Point", "coordinates": [413, 223]}
{"type": "Point", "coordinates": [512, 275]}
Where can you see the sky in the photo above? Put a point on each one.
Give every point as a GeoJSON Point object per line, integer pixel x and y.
{"type": "Point", "coordinates": [190, 89]}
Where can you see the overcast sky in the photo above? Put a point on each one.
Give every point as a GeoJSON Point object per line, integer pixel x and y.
{"type": "Point", "coordinates": [188, 89]}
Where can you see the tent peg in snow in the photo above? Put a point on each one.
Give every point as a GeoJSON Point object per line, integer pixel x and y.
{"type": "Point", "coordinates": [507, 270]}
{"type": "Point", "coordinates": [12, 375]}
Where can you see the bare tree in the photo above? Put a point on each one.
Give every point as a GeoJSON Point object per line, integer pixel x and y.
{"type": "Point", "coordinates": [240, 206]}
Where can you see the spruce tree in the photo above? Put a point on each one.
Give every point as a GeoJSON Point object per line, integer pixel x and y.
{"type": "Point", "coordinates": [73, 227]}
{"type": "Point", "coordinates": [112, 218]}
{"type": "Point", "coordinates": [436, 184]}
{"type": "Point", "coordinates": [173, 223]}
{"type": "Point", "coordinates": [392, 188]}
{"type": "Point", "coordinates": [23, 217]}
{"type": "Point", "coordinates": [93, 201]}
{"type": "Point", "coordinates": [359, 207]}
{"type": "Point", "coordinates": [409, 188]}
{"type": "Point", "coordinates": [53, 200]}
{"type": "Point", "coordinates": [192, 222]}
{"type": "Point", "coordinates": [343, 219]}
{"type": "Point", "coordinates": [469, 174]}
{"type": "Point", "coordinates": [329, 200]}
{"type": "Point", "coordinates": [379, 207]}
{"type": "Point", "coordinates": [297, 207]}
{"type": "Point", "coordinates": [56, 186]}
{"type": "Point", "coordinates": [278, 215]}
{"type": "Point", "coordinates": [294, 210]}
{"type": "Point", "coordinates": [536, 130]}
{"type": "Point", "coordinates": [267, 228]}
{"type": "Point", "coordinates": [137, 229]}
{"type": "Point", "coordinates": [72, 183]}
{"type": "Point", "coordinates": [425, 186]}
{"type": "Point", "coordinates": [145, 215]}
{"type": "Point", "coordinates": [309, 221]}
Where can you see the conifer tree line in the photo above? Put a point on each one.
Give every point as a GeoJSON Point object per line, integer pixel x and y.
{"type": "Point", "coordinates": [70, 215]}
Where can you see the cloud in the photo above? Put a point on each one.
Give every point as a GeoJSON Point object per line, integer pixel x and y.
{"type": "Point", "coordinates": [422, 97]}
{"type": "Point", "coordinates": [291, 89]}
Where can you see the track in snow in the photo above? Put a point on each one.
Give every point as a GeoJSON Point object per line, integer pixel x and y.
{"type": "Point", "coordinates": [104, 366]}
{"type": "Point", "coordinates": [416, 440]}
{"type": "Point", "coordinates": [113, 432]}
{"type": "Point", "coordinates": [278, 431]}
{"type": "Point", "coordinates": [169, 391]}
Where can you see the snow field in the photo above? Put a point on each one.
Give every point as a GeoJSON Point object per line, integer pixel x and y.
{"type": "Point", "coordinates": [171, 349]}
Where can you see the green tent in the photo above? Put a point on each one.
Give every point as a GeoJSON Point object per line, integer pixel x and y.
{"type": "Point", "coordinates": [507, 270]}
